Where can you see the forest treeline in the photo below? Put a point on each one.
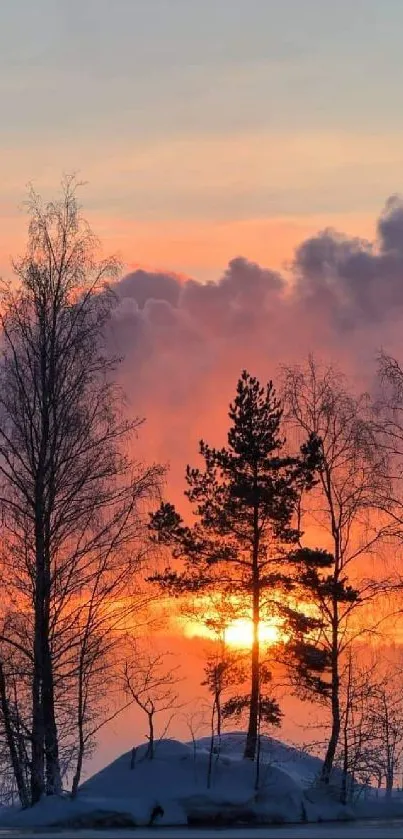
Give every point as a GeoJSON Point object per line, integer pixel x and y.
{"type": "Point", "coordinates": [296, 522]}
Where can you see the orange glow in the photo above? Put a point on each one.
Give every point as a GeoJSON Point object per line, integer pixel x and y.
{"type": "Point", "coordinates": [240, 633]}
{"type": "Point", "coordinates": [202, 247]}
{"type": "Point", "coordinates": [228, 620]}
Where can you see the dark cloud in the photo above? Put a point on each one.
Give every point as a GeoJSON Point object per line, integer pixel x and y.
{"type": "Point", "coordinates": [390, 225]}
{"type": "Point", "coordinates": [353, 281]}
{"type": "Point", "coordinates": [146, 285]}
{"type": "Point", "coordinates": [185, 342]}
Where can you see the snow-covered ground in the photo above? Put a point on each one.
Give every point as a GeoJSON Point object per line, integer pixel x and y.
{"type": "Point", "coordinates": [171, 791]}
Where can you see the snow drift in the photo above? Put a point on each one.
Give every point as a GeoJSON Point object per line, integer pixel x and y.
{"type": "Point", "coordinates": [172, 790]}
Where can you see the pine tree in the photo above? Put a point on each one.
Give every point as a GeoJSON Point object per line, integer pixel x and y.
{"type": "Point", "coordinates": [245, 538]}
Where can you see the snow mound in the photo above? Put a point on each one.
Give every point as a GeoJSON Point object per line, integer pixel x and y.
{"type": "Point", "coordinates": [297, 763]}
{"type": "Point", "coordinates": [172, 789]}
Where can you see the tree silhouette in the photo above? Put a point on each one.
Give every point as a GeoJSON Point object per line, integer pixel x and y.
{"type": "Point", "coordinates": [346, 505]}
{"type": "Point", "coordinates": [245, 537]}
{"type": "Point", "coordinates": [71, 498]}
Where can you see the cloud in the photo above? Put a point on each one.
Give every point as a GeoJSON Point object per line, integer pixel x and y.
{"type": "Point", "coordinates": [145, 285]}
{"type": "Point", "coordinates": [354, 281]}
{"type": "Point", "coordinates": [185, 342]}
{"type": "Point", "coordinates": [390, 226]}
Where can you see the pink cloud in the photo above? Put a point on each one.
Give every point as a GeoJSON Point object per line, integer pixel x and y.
{"type": "Point", "coordinates": [185, 342]}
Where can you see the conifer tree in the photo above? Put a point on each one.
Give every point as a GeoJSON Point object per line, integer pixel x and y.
{"type": "Point", "coordinates": [245, 538]}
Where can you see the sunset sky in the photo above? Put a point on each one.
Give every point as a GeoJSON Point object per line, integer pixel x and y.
{"type": "Point", "coordinates": [205, 130]}
{"type": "Point", "coordinates": [218, 139]}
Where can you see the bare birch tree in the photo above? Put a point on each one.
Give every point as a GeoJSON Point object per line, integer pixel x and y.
{"type": "Point", "coordinates": [345, 505]}
{"type": "Point", "coordinates": [72, 498]}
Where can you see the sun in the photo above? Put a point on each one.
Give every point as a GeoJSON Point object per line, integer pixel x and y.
{"type": "Point", "coordinates": [220, 623]}
{"type": "Point", "coordinates": [239, 633]}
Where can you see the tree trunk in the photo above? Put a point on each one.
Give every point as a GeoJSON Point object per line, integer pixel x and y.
{"type": "Point", "coordinates": [80, 727]}
{"type": "Point", "coordinates": [252, 734]}
{"type": "Point", "coordinates": [37, 755]}
{"type": "Point", "coordinates": [150, 736]}
{"type": "Point", "coordinates": [53, 774]}
{"type": "Point", "coordinates": [219, 716]}
{"type": "Point", "coordinates": [348, 709]}
{"type": "Point", "coordinates": [44, 493]}
{"type": "Point", "coordinates": [257, 777]}
{"type": "Point", "coordinates": [45, 757]}
{"type": "Point", "coordinates": [219, 725]}
{"type": "Point", "coordinates": [53, 783]}
{"type": "Point", "coordinates": [38, 733]}
{"type": "Point", "coordinates": [335, 707]}
{"type": "Point", "coordinates": [11, 744]}
{"type": "Point", "coordinates": [343, 793]}
{"type": "Point", "coordinates": [211, 751]}
{"type": "Point", "coordinates": [333, 740]}
{"type": "Point", "coordinates": [79, 766]}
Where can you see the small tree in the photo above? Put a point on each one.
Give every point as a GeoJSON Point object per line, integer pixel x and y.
{"type": "Point", "coordinates": [153, 688]}
{"type": "Point", "coordinates": [224, 669]}
{"type": "Point", "coordinates": [386, 726]}
{"type": "Point", "coordinates": [371, 744]}
{"type": "Point", "coordinates": [244, 539]}
{"type": "Point", "coordinates": [196, 721]}
{"type": "Point", "coordinates": [357, 747]}
{"type": "Point", "coordinates": [103, 615]}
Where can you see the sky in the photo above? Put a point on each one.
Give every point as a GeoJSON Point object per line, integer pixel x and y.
{"type": "Point", "coordinates": [205, 130]}
{"type": "Point", "coordinates": [222, 142]}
